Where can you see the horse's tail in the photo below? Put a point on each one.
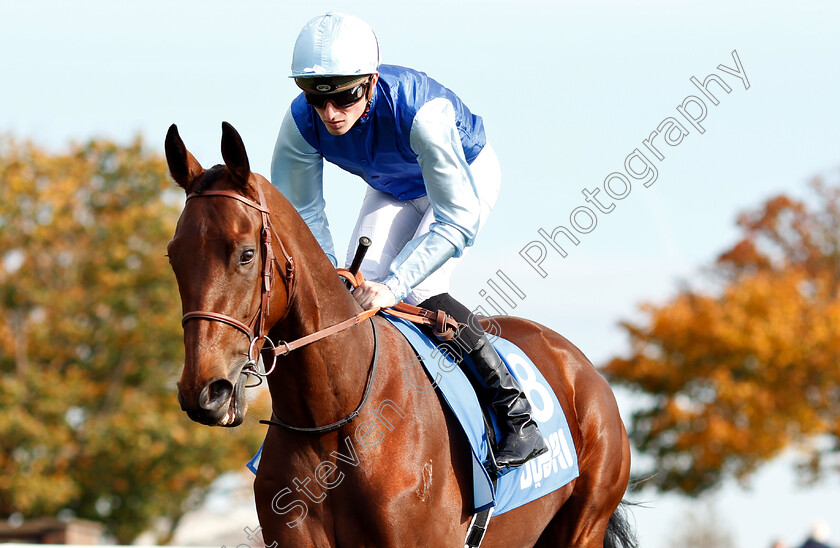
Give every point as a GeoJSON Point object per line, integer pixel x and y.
{"type": "Point", "coordinates": [619, 533]}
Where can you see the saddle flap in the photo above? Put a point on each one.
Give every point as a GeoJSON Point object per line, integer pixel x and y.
{"type": "Point", "coordinates": [535, 478]}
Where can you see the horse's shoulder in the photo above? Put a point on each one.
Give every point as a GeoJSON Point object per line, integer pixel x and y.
{"type": "Point", "coordinates": [390, 337]}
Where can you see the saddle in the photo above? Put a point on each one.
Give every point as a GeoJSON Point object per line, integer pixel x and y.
{"type": "Point", "coordinates": [406, 317]}
{"type": "Point", "coordinates": [494, 491]}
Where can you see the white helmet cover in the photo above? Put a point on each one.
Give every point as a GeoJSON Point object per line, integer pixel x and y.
{"type": "Point", "coordinates": [335, 44]}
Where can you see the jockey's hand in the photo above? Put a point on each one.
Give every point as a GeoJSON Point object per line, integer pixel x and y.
{"type": "Point", "coordinates": [372, 294]}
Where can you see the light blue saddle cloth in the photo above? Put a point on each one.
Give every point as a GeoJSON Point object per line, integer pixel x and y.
{"type": "Point", "coordinates": [537, 477]}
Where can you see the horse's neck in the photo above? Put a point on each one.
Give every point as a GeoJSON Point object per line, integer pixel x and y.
{"type": "Point", "coordinates": [321, 382]}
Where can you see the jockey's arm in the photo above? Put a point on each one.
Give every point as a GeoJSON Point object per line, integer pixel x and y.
{"type": "Point", "coordinates": [452, 194]}
{"type": "Point", "coordinates": [297, 170]}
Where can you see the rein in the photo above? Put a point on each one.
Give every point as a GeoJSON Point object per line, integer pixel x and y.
{"type": "Point", "coordinates": [255, 331]}
{"type": "Point", "coordinates": [444, 326]}
{"type": "Point", "coordinates": [349, 418]}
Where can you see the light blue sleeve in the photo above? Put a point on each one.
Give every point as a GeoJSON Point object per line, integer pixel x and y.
{"type": "Point", "coordinates": [419, 258]}
{"type": "Point", "coordinates": [297, 170]}
{"type": "Point", "coordinates": [452, 194]}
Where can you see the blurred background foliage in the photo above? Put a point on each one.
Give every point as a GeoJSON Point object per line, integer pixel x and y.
{"type": "Point", "coordinates": [750, 366]}
{"type": "Point", "coordinates": [91, 344]}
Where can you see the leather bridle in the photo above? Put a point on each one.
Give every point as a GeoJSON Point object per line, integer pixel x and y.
{"type": "Point", "coordinates": [255, 330]}
{"type": "Point", "coordinates": [444, 326]}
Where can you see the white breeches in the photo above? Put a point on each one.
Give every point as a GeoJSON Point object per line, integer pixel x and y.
{"type": "Point", "coordinates": [391, 223]}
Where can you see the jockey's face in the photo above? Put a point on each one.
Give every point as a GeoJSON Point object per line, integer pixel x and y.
{"type": "Point", "coordinates": [338, 121]}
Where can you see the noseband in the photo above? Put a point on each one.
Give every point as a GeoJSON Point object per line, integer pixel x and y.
{"type": "Point", "coordinates": [255, 331]}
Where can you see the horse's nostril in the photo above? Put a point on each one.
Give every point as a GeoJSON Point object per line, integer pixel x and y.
{"type": "Point", "coordinates": [215, 395]}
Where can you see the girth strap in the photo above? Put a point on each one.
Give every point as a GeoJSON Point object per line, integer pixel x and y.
{"type": "Point", "coordinates": [478, 528]}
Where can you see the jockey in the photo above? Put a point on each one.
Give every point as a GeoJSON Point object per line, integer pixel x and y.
{"type": "Point", "coordinates": [432, 177]}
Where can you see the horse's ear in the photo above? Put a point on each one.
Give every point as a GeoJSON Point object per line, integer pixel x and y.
{"type": "Point", "coordinates": [233, 151]}
{"type": "Point", "coordinates": [183, 166]}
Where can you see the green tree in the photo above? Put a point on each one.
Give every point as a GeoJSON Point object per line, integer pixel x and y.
{"type": "Point", "coordinates": [737, 374]}
{"type": "Point", "coordinates": [91, 345]}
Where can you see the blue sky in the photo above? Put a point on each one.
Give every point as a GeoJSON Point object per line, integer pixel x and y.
{"type": "Point", "coordinates": [567, 90]}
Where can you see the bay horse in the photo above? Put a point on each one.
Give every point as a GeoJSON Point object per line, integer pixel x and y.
{"type": "Point", "coordinates": [391, 472]}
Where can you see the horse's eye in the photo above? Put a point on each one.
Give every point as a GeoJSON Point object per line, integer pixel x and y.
{"type": "Point", "coordinates": [247, 256]}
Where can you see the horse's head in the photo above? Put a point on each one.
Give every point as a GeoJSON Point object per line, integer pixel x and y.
{"type": "Point", "coordinates": [219, 255]}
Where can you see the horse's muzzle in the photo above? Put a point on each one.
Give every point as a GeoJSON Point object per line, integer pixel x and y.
{"type": "Point", "coordinates": [218, 404]}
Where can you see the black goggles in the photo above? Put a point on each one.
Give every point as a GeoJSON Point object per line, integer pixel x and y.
{"type": "Point", "coordinates": [341, 99]}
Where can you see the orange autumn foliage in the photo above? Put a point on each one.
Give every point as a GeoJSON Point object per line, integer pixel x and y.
{"type": "Point", "coordinates": [736, 376]}
{"type": "Point", "coordinates": [91, 343]}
